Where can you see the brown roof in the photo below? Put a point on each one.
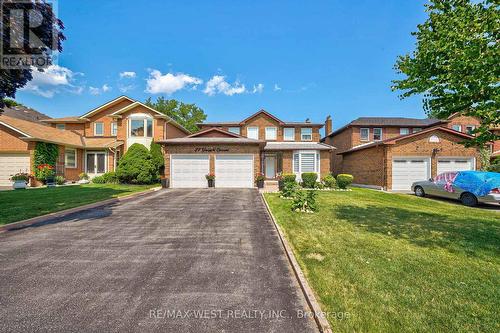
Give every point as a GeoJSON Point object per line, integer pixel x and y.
{"type": "Point", "coordinates": [283, 123]}
{"type": "Point", "coordinates": [297, 146]}
{"type": "Point", "coordinates": [214, 130]}
{"type": "Point", "coordinates": [401, 137]}
{"type": "Point", "coordinates": [24, 113]}
{"type": "Point", "coordinates": [38, 132]}
{"type": "Point", "coordinates": [65, 120]}
{"type": "Point", "coordinates": [101, 142]}
{"type": "Point", "coordinates": [211, 140]}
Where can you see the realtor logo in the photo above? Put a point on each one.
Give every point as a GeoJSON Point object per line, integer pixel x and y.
{"type": "Point", "coordinates": [29, 34]}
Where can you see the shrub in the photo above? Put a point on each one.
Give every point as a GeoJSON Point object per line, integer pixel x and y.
{"type": "Point", "coordinates": [309, 179]}
{"type": "Point", "coordinates": [330, 181]}
{"type": "Point", "coordinates": [83, 176]}
{"type": "Point", "coordinates": [289, 190]}
{"type": "Point", "coordinates": [110, 178]}
{"type": "Point", "coordinates": [44, 171]}
{"type": "Point", "coordinates": [157, 157]}
{"type": "Point", "coordinates": [99, 180]}
{"type": "Point", "coordinates": [305, 201]}
{"type": "Point", "coordinates": [60, 180]}
{"type": "Point", "coordinates": [344, 180]}
{"type": "Point", "coordinates": [288, 177]}
{"type": "Point", "coordinates": [495, 165]}
{"type": "Point", "coordinates": [136, 167]}
{"type": "Point", "coordinates": [45, 153]}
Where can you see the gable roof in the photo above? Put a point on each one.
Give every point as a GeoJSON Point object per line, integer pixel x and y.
{"type": "Point", "coordinates": [388, 122]}
{"type": "Point", "coordinates": [395, 140]}
{"type": "Point", "coordinates": [24, 113]}
{"type": "Point", "coordinates": [114, 101]}
{"type": "Point", "coordinates": [264, 112]}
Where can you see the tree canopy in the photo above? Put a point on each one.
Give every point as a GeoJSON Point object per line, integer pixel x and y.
{"type": "Point", "coordinates": [188, 115]}
{"type": "Point", "coordinates": [456, 63]}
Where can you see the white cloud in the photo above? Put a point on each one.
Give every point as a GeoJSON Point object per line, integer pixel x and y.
{"type": "Point", "coordinates": [276, 87]}
{"type": "Point", "coordinates": [169, 83]}
{"type": "Point", "coordinates": [217, 84]}
{"type": "Point", "coordinates": [258, 89]}
{"type": "Point", "coordinates": [97, 91]}
{"type": "Point", "coordinates": [51, 81]}
{"type": "Point", "coordinates": [125, 88]}
{"type": "Point", "coordinates": [128, 75]}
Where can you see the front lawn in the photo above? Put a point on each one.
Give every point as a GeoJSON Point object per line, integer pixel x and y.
{"type": "Point", "coordinates": [398, 263]}
{"type": "Point", "coordinates": [23, 204]}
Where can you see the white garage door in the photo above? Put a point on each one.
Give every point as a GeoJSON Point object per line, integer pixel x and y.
{"type": "Point", "coordinates": [189, 171]}
{"type": "Point", "coordinates": [234, 171]}
{"type": "Point", "coordinates": [405, 171]}
{"type": "Point", "coordinates": [11, 164]}
{"type": "Point", "coordinates": [454, 164]}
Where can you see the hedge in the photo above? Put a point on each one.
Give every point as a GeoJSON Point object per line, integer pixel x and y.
{"type": "Point", "coordinates": [309, 179]}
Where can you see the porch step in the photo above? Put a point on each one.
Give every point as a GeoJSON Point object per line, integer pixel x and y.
{"type": "Point", "coordinates": [270, 186]}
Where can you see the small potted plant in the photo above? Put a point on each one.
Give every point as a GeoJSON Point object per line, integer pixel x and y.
{"type": "Point", "coordinates": [211, 179]}
{"type": "Point", "coordinates": [20, 180]}
{"type": "Point", "coordinates": [45, 173]}
{"type": "Point", "coordinates": [260, 180]}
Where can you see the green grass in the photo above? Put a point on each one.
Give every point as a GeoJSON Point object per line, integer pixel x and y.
{"type": "Point", "coordinates": [23, 204]}
{"type": "Point", "coordinates": [398, 263]}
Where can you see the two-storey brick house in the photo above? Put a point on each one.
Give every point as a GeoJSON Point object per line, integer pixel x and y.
{"type": "Point", "coordinates": [392, 153]}
{"type": "Point", "coordinates": [90, 143]}
{"type": "Point", "coordinates": [236, 152]}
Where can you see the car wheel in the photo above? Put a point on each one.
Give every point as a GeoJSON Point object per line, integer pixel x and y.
{"type": "Point", "coordinates": [419, 191]}
{"type": "Point", "coordinates": [468, 199]}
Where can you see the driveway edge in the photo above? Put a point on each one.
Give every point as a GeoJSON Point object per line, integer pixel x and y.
{"type": "Point", "coordinates": [323, 324]}
{"type": "Point", "coordinates": [61, 213]}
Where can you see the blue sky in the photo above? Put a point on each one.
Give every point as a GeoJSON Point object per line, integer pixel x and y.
{"type": "Point", "coordinates": [296, 59]}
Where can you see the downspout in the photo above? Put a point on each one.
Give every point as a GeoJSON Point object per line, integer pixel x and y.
{"type": "Point", "coordinates": [384, 169]}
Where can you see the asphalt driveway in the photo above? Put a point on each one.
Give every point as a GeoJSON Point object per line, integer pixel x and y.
{"type": "Point", "coordinates": [175, 260]}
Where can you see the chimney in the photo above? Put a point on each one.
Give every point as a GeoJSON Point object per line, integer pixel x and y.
{"type": "Point", "coordinates": [328, 125]}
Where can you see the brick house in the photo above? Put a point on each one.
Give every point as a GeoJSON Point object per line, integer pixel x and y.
{"type": "Point", "coordinates": [236, 152]}
{"type": "Point", "coordinates": [391, 153]}
{"type": "Point", "coordinates": [90, 143]}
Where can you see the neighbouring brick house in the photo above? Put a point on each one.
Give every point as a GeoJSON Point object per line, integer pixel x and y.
{"type": "Point", "coordinates": [391, 153]}
{"type": "Point", "coordinates": [91, 143]}
{"type": "Point", "coordinates": [236, 152]}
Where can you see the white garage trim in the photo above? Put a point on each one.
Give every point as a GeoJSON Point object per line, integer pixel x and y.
{"type": "Point", "coordinates": [12, 163]}
{"type": "Point", "coordinates": [239, 172]}
{"type": "Point", "coordinates": [451, 164]}
{"type": "Point", "coordinates": [405, 173]}
{"type": "Point", "coordinates": [192, 174]}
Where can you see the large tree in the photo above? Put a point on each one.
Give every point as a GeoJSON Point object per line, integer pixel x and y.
{"type": "Point", "coordinates": [188, 115]}
{"type": "Point", "coordinates": [456, 63]}
{"type": "Point", "coordinates": [13, 79]}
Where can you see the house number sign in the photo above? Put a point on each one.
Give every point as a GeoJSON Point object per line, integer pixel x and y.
{"type": "Point", "coordinates": [210, 150]}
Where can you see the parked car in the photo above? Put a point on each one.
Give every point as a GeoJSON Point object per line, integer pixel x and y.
{"type": "Point", "coordinates": [470, 187]}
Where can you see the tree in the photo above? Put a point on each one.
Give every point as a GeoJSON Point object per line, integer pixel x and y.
{"type": "Point", "coordinates": [136, 166]}
{"type": "Point", "coordinates": [157, 157]}
{"type": "Point", "coordinates": [455, 63]}
{"type": "Point", "coordinates": [13, 79]}
{"type": "Point", "coordinates": [188, 115]}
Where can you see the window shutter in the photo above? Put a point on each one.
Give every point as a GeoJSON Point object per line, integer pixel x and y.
{"type": "Point", "coordinates": [307, 162]}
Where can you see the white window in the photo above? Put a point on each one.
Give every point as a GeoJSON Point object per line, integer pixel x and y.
{"type": "Point", "coordinates": [271, 133]}
{"type": "Point", "coordinates": [364, 134]}
{"type": "Point", "coordinates": [404, 131]}
{"type": "Point", "coordinates": [253, 133]}
{"type": "Point", "coordinates": [61, 126]}
{"type": "Point", "coordinates": [306, 161]}
{"type": "Point", "coordinates": [114, 128]}
{"type": "Point", "coordinates": [469, 129]}
{"type": "Point", "coordinates": [289, 134]}
{"type": "Point", "coordinates": [235, 130]}
{"type": "Point", "coordinates": [70, 158]}
{"type": "Point", "coordinates": [306, 134]}
{"type": "Point", "coordinates": [416, 129]}
{"type": "Point", "coordinates": [457, 128]}
{"type": "Point", "coordinates": [377, 134]}
{"type": "Point", "coordinates": [141, 127]}
{"type": "Point", "coordinates": [98, 129]}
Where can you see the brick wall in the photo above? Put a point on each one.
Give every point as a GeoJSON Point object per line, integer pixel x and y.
{"type": "Point", "coordinates": [342, 141]}
{"type": "Point", "coordinates": [10, 142]}
{"type": "Point", "coordinates": [367, 166]}
{"type": "Point", "coordinates": [324, 163]}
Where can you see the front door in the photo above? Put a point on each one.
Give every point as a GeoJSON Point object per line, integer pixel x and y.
{"type": "Point", "coordinates": [96, 163]}
{"type": "Point", "coordinates": [270, 170]}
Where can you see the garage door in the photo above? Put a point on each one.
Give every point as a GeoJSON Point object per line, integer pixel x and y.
{"type": "Point", "coordinates": [234, 171]}
{"type": "Point", "coordinates": [454, 164]}
{"type": "Point", "coordinates": [11, 164]}
{"type": "Point", "coordinates": [189, 171]}
{"type": "Point", "coordinates": [405, 171]}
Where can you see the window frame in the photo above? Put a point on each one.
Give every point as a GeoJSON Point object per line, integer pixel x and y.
{"type": "Point", "coordinates": [404, 128]}
{"type": "Point", "coordinates": [257, 131]}
{"type": "Point", "coordinates": [456, 125]}
{"type": "Point", "coordinates": [95, 128]}
{"type": "Point", "coordinates": [284, 133]}
{"type": "Point", "coordinates": [302, 133]}
{"type": "Point", "coordinates": [114, 128]}
{"type": "Point", "coordinates": [473, 127]}
{"type": "Point", "coordinates": [144, 125]}
{"type": "Point", "coordinates": [361, 138]}
{"type": "Point", "coordinates": [59, 125]}
{"type": "Point", "coordinates": [66, 165]}
{"type": "Point", "coordinates": [317, 161]}
{"type": "Point", "coordinates": [416, 129]}
{"type": "Point", "coordinates": [381, 133]}
{"type": "Point", "coordinates": [275, 133]}
{"type": "Point", "coordinates": [232, 128]}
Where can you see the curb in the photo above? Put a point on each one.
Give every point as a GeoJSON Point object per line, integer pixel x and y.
{"type": "Point", "coordinates": [62, 213]}
{"type": "Point", "coordinates": [322, 323]}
